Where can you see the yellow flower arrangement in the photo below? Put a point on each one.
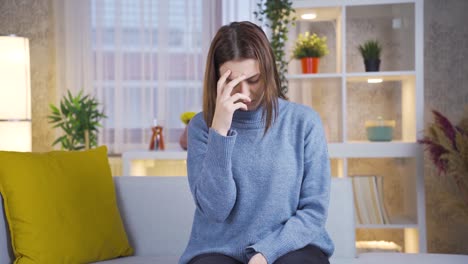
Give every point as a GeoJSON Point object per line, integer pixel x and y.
{"type": "Point", "coordinates": [186, 116]}
{"type": "Point", "coordinates": [308, 45]}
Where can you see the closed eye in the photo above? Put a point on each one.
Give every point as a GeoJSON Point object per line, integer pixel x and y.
{"type": "Point", "coordinates": [253, 81]}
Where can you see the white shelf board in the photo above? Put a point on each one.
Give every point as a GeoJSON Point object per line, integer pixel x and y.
{"type": "Point", "coordinates": [357, 76]}
{"type": "Point", "coordinates": [313, 76]}
{"type": "Point", "coordinates": [152, 155]}
{"type": "Point", "coordinates": [385, 76]}
{"type": "Point", "coordinates": [366, 149]}
{"type": "Point", "coordinates": [328, 3]}
{"type": "Point", "coordinates": [172, 152]}
{"type": "Point", "coordinates": [397, 222]}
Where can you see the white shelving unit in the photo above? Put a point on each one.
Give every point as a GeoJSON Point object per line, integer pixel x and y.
{"type": "Point", "coordinates": [335, 93]}
{"type": "Point", "coordinates": [364, 149]}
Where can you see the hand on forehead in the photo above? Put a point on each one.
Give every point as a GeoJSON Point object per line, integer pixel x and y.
{"type": "Point", "coordinates": [248, 67]}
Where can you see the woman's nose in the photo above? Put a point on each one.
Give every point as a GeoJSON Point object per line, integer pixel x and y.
{"type": "Point", "coordinates": [243, 88]}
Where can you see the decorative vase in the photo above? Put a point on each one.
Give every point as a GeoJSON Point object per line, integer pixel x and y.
{"type": "Point", "coordinates": [310, 64]}
{"type": "Point", "coordinates": [183, 139]}
{"type": "Point", "coordinates": [157, 139]}
{"type": "Point", "coordinates": [372, 65]}
{"type": "Point", "coordinates": [380, 129]}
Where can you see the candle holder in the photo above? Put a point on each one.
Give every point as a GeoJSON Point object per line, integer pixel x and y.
{"type": "Point", "coordinates": [157, 139]}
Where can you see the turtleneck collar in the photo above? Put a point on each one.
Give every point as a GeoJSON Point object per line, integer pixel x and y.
{"type": "Point", "coordinates": [253, 118]}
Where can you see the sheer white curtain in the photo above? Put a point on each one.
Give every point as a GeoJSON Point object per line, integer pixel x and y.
{"type": "Point", "coordinates": [73, 46]}
{"type": "Point", "coordinates": [143, 60]}
{"type": "Point", "coordinates": [239, 10]}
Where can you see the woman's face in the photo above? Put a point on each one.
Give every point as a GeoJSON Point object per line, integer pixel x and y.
{"type": "Point", "coordinates": [251, 86]}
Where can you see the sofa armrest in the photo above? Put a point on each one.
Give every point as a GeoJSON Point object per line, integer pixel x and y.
{"type": "Point", "coordinates": [340, 222]}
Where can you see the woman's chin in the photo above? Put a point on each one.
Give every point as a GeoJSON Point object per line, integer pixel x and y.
{"type": "Point", "coordinates": [251, 106]}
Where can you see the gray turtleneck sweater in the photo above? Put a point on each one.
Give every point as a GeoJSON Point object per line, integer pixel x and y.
{"type": "Point", "coordinates": [256, 193]}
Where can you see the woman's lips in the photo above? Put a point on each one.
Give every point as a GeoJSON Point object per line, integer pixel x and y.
{"type": "Point", "coordinates": [245, 102]}
{"type": "Point", "coordinates": [250, 103]}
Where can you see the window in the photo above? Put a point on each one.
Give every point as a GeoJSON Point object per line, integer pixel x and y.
{"type": "Point", "coordinates": [147, 64]}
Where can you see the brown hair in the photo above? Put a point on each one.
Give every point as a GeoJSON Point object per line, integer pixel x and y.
{"type": "Point", "coordinates": [236, 41]}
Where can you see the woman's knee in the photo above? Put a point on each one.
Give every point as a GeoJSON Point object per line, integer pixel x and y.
{"type": "Point", "coordinates": [306, 255]}
{"type": "Point", "coordinates": [213, 258]}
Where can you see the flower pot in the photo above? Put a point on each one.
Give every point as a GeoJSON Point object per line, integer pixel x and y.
{"type": "Point", "coordinates": [372, 65]}
{"type": "Point", "coordinates": [310, 65]}
{"type": "Point", "coordinates": [183, 139]}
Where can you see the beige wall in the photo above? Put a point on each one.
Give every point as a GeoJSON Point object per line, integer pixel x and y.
{"type": "Point", "coordinates": [446, 89]}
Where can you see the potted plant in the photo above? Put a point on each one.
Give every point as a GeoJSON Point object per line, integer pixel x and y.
{"type": "Point", "coordinates": [370, 52]}
{"type": "Point", "coordinates": [447, 146]}
{"type": "Point", "coordinates": [278, 15]}
{"type": "Point", "coordinates": [185, 118]}
{"type": "Point", "coordinates": [78, 116]}
{"type": "Point", "coordinates": [309, 49]}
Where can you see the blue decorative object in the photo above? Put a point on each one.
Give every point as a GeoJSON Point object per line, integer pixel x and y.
{"type": "Point", "coordinates": [380, 130]}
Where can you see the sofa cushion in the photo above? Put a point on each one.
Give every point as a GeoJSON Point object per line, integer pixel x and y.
{"type": "Point", "coordinates": [157, 213]}
{"type": "Point", "coordinates": [6, 253]}
{"type": "Point", "coordinates": [61, 207]}
{"type": "Point", "coordinates": [143, 260]}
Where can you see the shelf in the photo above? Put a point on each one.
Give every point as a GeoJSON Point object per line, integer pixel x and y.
{"type": "Point", "coordinates": [341, 93]}
{"type": "Point", "coordinates": [358, 76]}
{"type": "Point", "coordinates": [397, 222]}
{"type": "Point", "coordinates": [172, 152]}
{"type": "Point", "coordinates": [352, 149]}
{"type": "Point", "coordinates": [321, 3]}
{"type": "Point", "coordinates": [365, 149]}
{"type": "Point", "coordinates": [385, 76]}
{"type": "Point", "coordinates": [313, 76]}
{"type": "Point", "coordinates": [153, 155]}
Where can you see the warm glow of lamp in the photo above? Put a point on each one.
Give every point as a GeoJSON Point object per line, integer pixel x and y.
{"type": "Point", "coordinates": [376, 80]}
{"type": "Point", "coordinates": [309, 16]}
{"type": "Point", "coordinates": [15, 94]}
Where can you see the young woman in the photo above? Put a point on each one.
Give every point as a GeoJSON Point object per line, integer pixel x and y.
{"type": "Point", "coordinates": [258, 165]}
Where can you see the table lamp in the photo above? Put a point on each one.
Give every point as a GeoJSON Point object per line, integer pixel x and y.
{"type": "Point", "coordinates": [15, 94]}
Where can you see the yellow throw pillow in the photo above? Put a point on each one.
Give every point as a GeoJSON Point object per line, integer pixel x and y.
{"type": "Point", "coordinates": [61, 207]}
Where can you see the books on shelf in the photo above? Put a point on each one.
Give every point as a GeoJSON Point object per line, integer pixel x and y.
{"type": "Point", "coordinates": [369, 200]}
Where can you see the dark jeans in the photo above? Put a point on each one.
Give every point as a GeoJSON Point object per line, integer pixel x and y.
{"type": "Point", "coordinates": [308, 254]}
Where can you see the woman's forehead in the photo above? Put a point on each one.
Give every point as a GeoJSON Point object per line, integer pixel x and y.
{"type": "Point", "coordinates": [248, 67]}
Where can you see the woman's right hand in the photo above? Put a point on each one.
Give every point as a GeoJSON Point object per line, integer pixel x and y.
{"type": "Point", "coordinates": [226, 103]}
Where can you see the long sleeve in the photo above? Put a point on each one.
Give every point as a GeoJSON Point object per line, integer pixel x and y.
{"type": "Point", "coordinates": [309, 220]}
{"type": "Point", "coordinates": [210, 170]}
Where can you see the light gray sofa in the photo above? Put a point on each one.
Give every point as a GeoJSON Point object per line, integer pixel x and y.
{"type": "Point", "coordinates": [157, 213]}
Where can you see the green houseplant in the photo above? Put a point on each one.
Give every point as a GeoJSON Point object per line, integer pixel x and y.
{"type": "Point", "coordinates": [370, 52]}
{"type": "Point", "coordinates": [279, 15]}
{"type": "Point", "coordinates": [309, 49]}
{"type": "Point", "coordinates": [78, 116]}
